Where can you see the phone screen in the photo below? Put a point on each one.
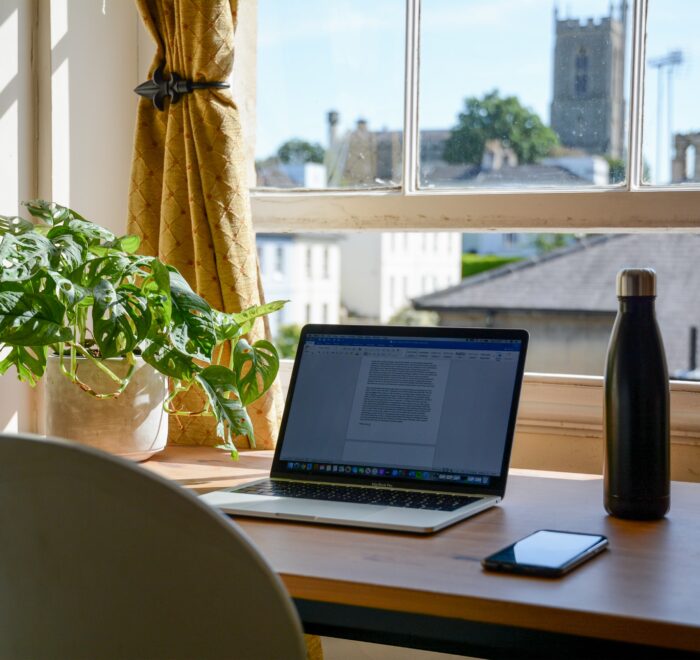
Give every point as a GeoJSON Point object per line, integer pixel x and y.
{"type": "Point", "coordinates": [547, 552]}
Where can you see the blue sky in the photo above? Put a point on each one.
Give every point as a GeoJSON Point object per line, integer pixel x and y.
{"type": "Point", "coordinates": [348, 55]}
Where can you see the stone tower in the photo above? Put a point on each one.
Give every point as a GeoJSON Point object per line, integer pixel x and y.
{"type": "Point", "coordinates": [588, 101]}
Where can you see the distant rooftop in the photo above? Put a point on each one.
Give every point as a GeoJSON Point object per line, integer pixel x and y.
{"type": "Point", "coordinates": [581, 279]}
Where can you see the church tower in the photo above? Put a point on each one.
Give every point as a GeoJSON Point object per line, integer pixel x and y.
{"type": "Point", "coordinates": [588, 102]}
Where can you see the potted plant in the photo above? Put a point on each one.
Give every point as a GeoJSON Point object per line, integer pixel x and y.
{"type": "Point", "coordinates": [72, 289]}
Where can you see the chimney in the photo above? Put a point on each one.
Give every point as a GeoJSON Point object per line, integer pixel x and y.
{"type": "Point", "coordinates": [693, 361]}
{"type": "Point", "coordinates": [333, 118]}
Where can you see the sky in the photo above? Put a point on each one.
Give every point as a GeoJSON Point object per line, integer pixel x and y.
{"type": "Point", "coordinates": [348, 55]}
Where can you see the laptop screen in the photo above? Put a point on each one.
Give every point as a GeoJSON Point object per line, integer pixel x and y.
{"type": "Point", "coordinates": [428, 407]}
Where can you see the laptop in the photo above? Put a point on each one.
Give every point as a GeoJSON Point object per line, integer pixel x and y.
{"type": "Point", "coordinates": [400, 428]}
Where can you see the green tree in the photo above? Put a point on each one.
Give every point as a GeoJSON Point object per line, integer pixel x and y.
{"type": "Point", "coordinates": [301, 151]}
{"type": "Point", "coordinates": [287, 340]}
{"type": "Point", "coordinates": [617, 169]}
{"type": "Point", "coordinates": [548, 242]}
{"type": "Point", "coordinates": [497, 118]}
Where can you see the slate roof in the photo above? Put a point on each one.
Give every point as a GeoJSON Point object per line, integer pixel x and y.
{"type": "Point", "coordinates": [581, 279]}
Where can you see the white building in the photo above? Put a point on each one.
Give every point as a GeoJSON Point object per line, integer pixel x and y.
{"type": "Point", "coordinates": [381, 273]}
{"type": "Point", "coordinates": [304, 269]}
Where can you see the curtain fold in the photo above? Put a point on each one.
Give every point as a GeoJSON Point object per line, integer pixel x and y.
{"type": "Point", "coordinates": [188, 199]}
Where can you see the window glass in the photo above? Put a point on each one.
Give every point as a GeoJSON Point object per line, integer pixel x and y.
{"type": "Point", "coordinates": [330, 93]}
{"type": "Point", "coordinates": [672, 80]}
{"type": "Point", "coordinates": [536, 97]}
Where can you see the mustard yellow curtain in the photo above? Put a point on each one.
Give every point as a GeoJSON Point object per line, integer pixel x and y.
{"type": "Point", "coordinates": [188, 200]}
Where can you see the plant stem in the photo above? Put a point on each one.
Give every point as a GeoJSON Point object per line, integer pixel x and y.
{"type": "Point", "coordinates": [123, 382]}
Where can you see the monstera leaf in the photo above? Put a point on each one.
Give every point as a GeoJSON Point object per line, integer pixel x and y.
{"type": "Point", "coordinates": [23, 256]}
{"type": "Point", "coordinates": [247, 316]}
{"type": "Point", "coordinates": [256, 367]}
{"type": "Point", "coordinates": [193, 329]}
{"type": "Point", "coordinates": [30, 362]}
{"type": "Point", "coordinates": [164, 357]}
{"type": "Point", "coordinates": [30, 319]}
{"type": "Point", "coordinates": [120, 318]}
{"type": "Point", "coordinates": [14, 225]}
{"type": "Point", "coordinates": [219, 384]}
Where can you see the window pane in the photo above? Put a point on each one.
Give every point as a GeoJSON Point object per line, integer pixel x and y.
{"type": "Point", "coordinates": [515, 95]}
{"type": "Point", "coordinates": [330, 93]}
{"type": "Point", "coordinates": [671, 121]}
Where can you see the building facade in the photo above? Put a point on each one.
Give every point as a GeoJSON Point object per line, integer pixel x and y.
{"type": "Point", "coordinates": [305, 270]}
{"type": "Point", "coordinates": [381, 273]}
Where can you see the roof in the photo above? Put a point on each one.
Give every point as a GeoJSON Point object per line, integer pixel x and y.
{"type": "Point", "coordinates": [581, 279]}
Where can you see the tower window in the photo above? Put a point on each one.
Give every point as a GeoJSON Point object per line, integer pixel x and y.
{"type": "Point", "coordinates": [581, 74]}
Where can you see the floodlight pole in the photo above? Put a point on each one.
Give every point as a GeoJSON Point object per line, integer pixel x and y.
{"type": "Point", "coordinates": [669, 61]}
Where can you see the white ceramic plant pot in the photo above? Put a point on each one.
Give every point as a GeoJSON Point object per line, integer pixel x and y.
{"type": "Point", "coordinates": [134, 425]}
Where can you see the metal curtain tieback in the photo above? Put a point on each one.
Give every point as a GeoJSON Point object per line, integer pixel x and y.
{"type": "Point", "coordinates": [157, 88]}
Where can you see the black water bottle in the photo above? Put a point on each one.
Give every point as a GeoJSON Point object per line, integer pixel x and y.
{"type": "Point", "coordinates": [637, 464]}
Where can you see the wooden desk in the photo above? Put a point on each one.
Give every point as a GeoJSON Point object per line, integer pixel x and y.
{"type": "Point", "coordinates": [643, 595]}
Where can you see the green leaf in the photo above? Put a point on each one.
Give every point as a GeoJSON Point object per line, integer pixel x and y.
{"type": "Point", "coordinates": [14, 225]}
{"type": "Point", "coordinates": [113, 267]}
{"type": "Point", "coordinates": [226, 327]}
{"type": "Point", "coordinates": [29, 319]}
{"type": "Point", "coordinates": [67, 292]}
{"type": "Point", "coordinates": [22, 256]}
{"type": "Point", "coordinates": [120, 318]}
{"type": "Point", "coordinates": [30, 362]}
{"type": "Point", "coordinates": [156, 288]}
{"type": "Point", "coordinates": [70, 249]}
{"type": "Point", "coordinates": [128, 243]}
{"type": "Point", "coordinates": [169, 361]}
{"type": "Point", "coordinates": [193, 329]}
{"type": "Point", "coordinates": [256, 367]}
{"type": "Point", "coordinates": [92, 233]}
{"type": "Point", "coordinates": [247, 316]}
{"type": "Point", "coordinates": [219, 384]}
{"type": "Point", "coordinates": [50, 212]}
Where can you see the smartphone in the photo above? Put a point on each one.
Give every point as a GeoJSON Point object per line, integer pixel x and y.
{"type": "Point", "coordinates": [547, 552]}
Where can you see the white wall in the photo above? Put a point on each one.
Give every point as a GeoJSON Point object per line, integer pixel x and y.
{"type": "Point", "coordinates": [17, 161]}
{"type": "Point", "coordinates": [381, 273]}
{"type": "Point", "coordinates": [360, 265]}
{"type": "Point", "coordinates": [93, 106]}
{"type": "Point", "coordinates": [317, 289]}
{"type": "Point", "coordinates": [67, 115]}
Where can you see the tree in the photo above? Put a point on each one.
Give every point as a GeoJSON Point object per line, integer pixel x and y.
{"type": "Point", "coordinates": [548, 242]}
{"type": "Point", "coordinates": [301, 151]}
{"type": "Point", "coordinates": [496, 118]}
{"type": "Point", "coordinates": [287, 340]}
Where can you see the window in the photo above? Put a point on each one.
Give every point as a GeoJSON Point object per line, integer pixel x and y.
{"type": "Point", "coordinates": [326, 263]}
{"type": "Point", "coordinates": [279, 259]}
{"type": "Point", "coordinates": [309, 262]}
{"type": "Point", "coordinates": [631, 201]}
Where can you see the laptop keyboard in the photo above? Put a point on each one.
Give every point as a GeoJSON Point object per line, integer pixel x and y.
{"type": "Point", "coordinates": [359, 495]}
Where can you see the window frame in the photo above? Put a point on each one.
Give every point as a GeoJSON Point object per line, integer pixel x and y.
{"type": "Point", "coordinates": [625, 207]}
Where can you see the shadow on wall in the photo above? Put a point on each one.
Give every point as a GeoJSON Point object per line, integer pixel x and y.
{"type": "Point", "coordinates": [17, 166]}
{"type": "Point", "coordinates": [15, 404]}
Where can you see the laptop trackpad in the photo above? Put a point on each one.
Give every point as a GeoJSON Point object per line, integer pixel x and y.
{"type": "Point", "coordinates": [311, 509]}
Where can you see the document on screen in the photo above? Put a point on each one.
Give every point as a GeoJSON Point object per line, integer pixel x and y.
{"type": "Point", "coordinates": [398, 400]}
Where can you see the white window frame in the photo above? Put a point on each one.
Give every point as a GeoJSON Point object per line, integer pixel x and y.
{"type": "Point", "coordinates": [629, 206]}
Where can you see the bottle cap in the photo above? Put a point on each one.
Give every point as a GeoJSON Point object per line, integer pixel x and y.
{"type": "Point", "coordinates": [636, 282]}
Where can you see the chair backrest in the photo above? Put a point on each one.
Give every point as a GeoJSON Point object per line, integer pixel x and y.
{"type": "Point", "coordinates": [101, 559]}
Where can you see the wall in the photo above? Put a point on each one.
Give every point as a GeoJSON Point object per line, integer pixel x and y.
{"type": "Point", "coordinates": [568, 343]}
{"type": "Point", "coordinates": [17, 162]}
{"type": "Point", "coordinates": [63, 121]}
